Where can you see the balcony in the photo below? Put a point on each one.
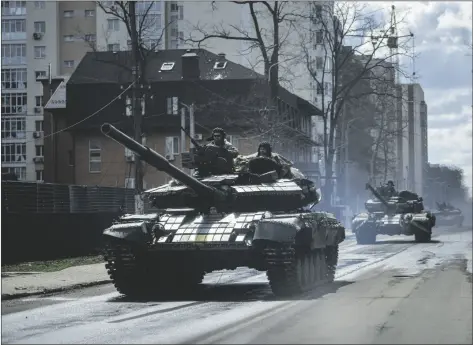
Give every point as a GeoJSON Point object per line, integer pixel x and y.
{"type": "Point", "coordinates": [13, 36]}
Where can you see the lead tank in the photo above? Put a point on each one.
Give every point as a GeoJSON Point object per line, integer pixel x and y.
{"type": "Point", "coordinates": [214, 222]}
{"type": "Point", "coordinates": [401, 214]}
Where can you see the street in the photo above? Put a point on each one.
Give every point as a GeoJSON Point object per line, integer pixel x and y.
{"type": "Point", "coordinates": [395, 291]}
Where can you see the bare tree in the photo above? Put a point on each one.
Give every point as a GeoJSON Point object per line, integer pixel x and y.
{"type": "Point", "coordinates": [145, 37]}
{"type": "Point", "coordinates": [268, 36]}
{"type": "Point", "coordinates": [346, 32]}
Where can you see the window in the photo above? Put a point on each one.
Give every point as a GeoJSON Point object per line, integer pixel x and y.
{"type": "Point", "coordinates": [69, 63]}
{"type": "Point", "coordinates": [38, 125]}
{"type": "Point", "coordinates": [174, 44]}
{"type": "Point", "coordinates": [39, 5]}
{"type": "Point", "coordinates": [113, 24]}
{"type": "Point", "coordinates": [174, 32]}
{"type": "Point", "coordinates": [13, 29]}
{"type": "Point", "coordinates": [319, 89]}
{"type": "Point", "coordinates": [39, 175]}
{"type": "Point", "coordinates": [181, 36]}
{"type": "Point", "coordinates": [181, 12]}
{"type": "Point", "coordinates": [70, 154]}
{"type": "Point", "coordinates": [172, 106]}
{"type": "Point", "coordinates": [233, 139]}
{"type": "Point", "coordinates": [13, 79]}
{"type": "Point", "coordinates": [327, 88]}
{"type": "Point", "coordinates": [89, 13]}
{"type": "Point", "coordinates": [39, 149]}
{"type": "Point", "coordinates": [13, 8]}
{"type": "Point", "coordinates": [13, 128]}
{"type": "Point", "coordinates": [14, 103]}
{"type": "Point", "coordinates": [174, 7]}
{"type": "Point", "coordinates": [147, 6]}
{"type": "Point", "coordinates": [39, 52]}
{"type": "Point", "coordinates": [13, 54]}
{"type": "Point", "coordinates": [95, 156]}
{"type": "Point", "coordinates": [319, 62]}
{"type": "Point", "coordinates": [89, 38]}
{"type": "Point", "coordinates": [318, 11]}
{"type": "Point", "coordinates": [40, 74]}
{"type": "Point", "coordinates": [14, 153]}
{"type": "Point", "coordinates": [68, 14]}
{"type": "Point", "coordinates": [150, 22]}
{"type": "Point", "coordinates": [319, 37]}
{"type": "Point", "coordinates": [39, 101]}
{"type": "Point", "coordinates": [40, 27]}
{"type": "Point", "coordinates": [113, 47]}
{"type": "Point", "coordinates": [20, 172]}
{"type": "Point", "coordinates": [68, 38]}
{"type": "Point", "coordinates": [172, 146]}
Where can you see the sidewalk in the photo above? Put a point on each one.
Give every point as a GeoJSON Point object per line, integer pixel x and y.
{"type": "Point", "coordinates": [21, 284]}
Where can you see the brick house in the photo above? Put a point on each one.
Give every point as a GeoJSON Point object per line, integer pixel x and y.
{"type": "Point", "coordinates": [226, 94]}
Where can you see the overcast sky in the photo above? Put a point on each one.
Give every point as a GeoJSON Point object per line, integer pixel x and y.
{"type": "Point", "coordinates": [442, 33]}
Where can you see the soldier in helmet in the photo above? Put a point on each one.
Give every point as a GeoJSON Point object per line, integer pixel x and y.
{"type": "Point", "coordinates": [265, 150]}
{"type": "Point", "coordinates": [389, 189]}
{"type": "Point", "coordinates": [218, 139]}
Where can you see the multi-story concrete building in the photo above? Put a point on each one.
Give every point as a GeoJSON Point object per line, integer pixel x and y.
{"type": "Point", "coordinates": [45, 39]}
{"type": "Point", "coordinates": [412, 145]}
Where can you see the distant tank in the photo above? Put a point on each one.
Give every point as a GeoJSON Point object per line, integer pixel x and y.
{"type": "Point", "coordinates": [402, 214]}
{"type": "Point", "coordinates": [222, 220]}
{"type": "Point", "coordinates": [446, 214]}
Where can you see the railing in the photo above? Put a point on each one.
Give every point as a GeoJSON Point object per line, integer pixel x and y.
{"type": "Point", "coordinates": [31, 197]}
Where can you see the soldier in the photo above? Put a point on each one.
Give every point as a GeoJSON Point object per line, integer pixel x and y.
{"type": "Point", "coordinates": [390, 190]}
{"type": "Point", "coordinates": [218, 139]}
{"type": "Point", "coordinates": [265, 150]}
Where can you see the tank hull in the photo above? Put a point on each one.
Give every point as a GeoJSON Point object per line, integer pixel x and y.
{"type": "Point", "coordinates": [298, 250]}
{"type": "Point", "coordinates": [366, 226]}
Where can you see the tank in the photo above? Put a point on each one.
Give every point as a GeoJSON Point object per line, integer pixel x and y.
{"type": "Point", "coordinates": [401, 214]}
{"type": "Point", "coordinates": [207, 222]}
{"type": "Point", "coordinates": [448, 215]}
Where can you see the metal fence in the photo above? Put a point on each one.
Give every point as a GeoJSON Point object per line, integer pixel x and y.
{"type": "Point", "coordinates": [31, 197]}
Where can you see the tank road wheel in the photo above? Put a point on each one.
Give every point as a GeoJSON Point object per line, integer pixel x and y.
{"type": "Point", "coordinates": [295, 271]}
{"type": "Point", "coordinates": [331, 259]}
{"type": "Point", "coordinates": [128, 270]}
{"type": "Point", "coordinates": [422, 236]}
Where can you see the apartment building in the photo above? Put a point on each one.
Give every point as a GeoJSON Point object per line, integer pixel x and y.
{"type": "Point", "coordinates": [412, 144]}
{"type": "Point", "coordinates": [46, 39]}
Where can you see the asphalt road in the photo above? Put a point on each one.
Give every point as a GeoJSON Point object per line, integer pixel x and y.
{"type": "Point", "coordinates": [395, 291]}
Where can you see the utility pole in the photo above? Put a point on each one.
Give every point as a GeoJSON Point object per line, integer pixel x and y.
{"type": "Point", "coordinates": [136, 104]}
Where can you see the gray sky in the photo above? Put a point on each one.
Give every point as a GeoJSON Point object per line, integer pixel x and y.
{"type": "Point", "coordinates": [442, 33]}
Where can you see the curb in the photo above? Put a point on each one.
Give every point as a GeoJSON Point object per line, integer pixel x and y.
{"type": "Point", "coordinates": [46, 291]}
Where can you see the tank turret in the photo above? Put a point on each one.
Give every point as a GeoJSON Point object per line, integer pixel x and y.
{"type": "Point", "coordinates": [257, 189]}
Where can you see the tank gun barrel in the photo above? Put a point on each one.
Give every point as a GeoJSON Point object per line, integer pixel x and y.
{"type": "Point", "coordinates": [156, 160]}
{"type": "Point", "coordinates": [377, 195]}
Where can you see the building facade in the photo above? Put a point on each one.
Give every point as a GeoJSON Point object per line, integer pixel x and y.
{"type": "Point", "coordinates": [47, 39]}
{"type": "Point", "coordinates": [412, 145]}
{"type": "Point", "coordinates": [83, 155]}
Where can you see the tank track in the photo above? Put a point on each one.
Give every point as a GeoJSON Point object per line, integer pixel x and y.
{"type": "Point", "coordinates": [133, 274]}
{"type": "Point", "coordinates": [295, 270]}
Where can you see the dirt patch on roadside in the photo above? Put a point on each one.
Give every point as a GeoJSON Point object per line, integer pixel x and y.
{"type": "Point", "coordinates": [52, 265]}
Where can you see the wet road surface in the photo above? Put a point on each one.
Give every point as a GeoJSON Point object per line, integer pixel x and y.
{"type": "Point", "coordinates": [395, 291]}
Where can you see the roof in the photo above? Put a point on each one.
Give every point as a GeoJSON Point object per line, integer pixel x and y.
{"type": "Point", "coordinates": [115, 67]}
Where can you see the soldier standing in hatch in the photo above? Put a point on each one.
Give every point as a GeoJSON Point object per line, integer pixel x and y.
{"type": "Point", "coordinates": [218, 139]}
{"type": "Point", "coordinates": [265, 150]}
{"type": "Point", "coordinates": [390, 190]}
